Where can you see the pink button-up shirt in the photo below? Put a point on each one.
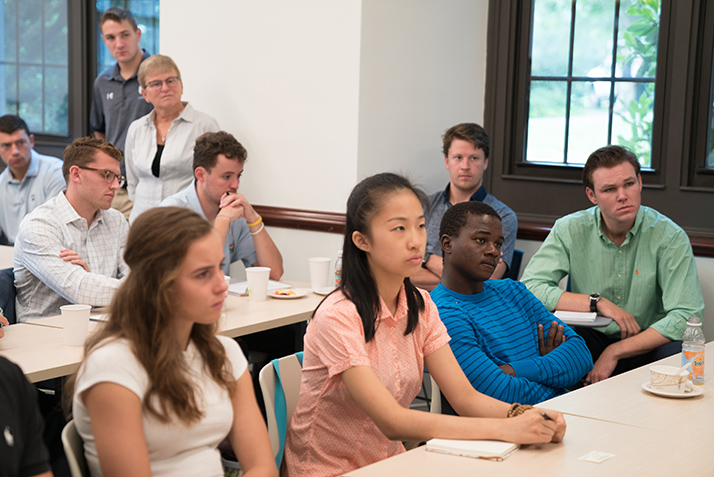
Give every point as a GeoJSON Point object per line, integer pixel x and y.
{"type": "Point", "coordinates": [329, 433]}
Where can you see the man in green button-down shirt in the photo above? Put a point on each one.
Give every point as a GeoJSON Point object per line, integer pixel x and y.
{"type": "Point", "coordinates": [625, 261]}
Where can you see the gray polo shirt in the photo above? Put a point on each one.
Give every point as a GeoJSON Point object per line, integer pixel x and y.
{"type": "Point", "coordinates": [116, 103]}
{"type": "Point", "coordinates": [438, 205]}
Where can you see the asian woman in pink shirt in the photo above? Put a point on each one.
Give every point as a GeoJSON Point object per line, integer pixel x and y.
{"type": "Point", "coordinates": [368, 343]}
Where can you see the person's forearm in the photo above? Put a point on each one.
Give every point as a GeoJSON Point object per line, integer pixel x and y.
{"type": "Point", "coordinates": [435, 264]}
{"type": "Point", "coordinates": [267, 254]}
{"type": "Point", "coordinates": [424, 279]}
{"type": "Point", "coordinates": [500, 270]}
{"type": "Point", "coordinates": [100, 135]}
{"type": "Point", "coordinates": [221, 224]}
{"type": "Point", "coordinates": [638, 344]}
{"type": "Point", "coordinates": [573, 302]}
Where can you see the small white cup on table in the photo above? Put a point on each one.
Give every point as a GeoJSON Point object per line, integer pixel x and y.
{"type": "Point", "coordinates": [667, 379]}
{"type": "Point", "coordinates": [319, 271]}
{"type": "Point", "coordinates": [76, 323]}
{"type": "Point", "coordinates": [257, 282]}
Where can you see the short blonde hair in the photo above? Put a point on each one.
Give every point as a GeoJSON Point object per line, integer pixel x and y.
{"type": "Point", "coordinates": [156, 64]}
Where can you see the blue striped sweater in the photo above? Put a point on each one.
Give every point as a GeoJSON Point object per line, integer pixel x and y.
{"type": "Point", "coordinates": [499, 326]}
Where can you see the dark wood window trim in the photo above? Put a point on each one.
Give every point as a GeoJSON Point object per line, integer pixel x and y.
{"type": "Point", "coordinates": [671, 189]}
{"type": "Point", "coordinates": [334, 222]}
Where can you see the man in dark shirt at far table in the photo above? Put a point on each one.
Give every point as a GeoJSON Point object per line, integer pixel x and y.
{"type": "Point", "coordinates": [466, 150]}
{"type": "Point", "coordinates": [116, 97]}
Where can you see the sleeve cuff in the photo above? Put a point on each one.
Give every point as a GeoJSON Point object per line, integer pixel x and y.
{"type": "Point", "coordinates": [526, 369]}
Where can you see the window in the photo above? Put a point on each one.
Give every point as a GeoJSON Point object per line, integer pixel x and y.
{"type": "Point", "coordinates": [565, 77]}
{"type": "Point", "coordinates": [34, 64]}
{"type": "Point", "coordinates": [46, 65]}
{"type": "Point", "coordinates": [593, 82]}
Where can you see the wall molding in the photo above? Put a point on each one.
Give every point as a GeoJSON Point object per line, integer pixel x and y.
{"type": "Point", "coordinates": [334, 222]}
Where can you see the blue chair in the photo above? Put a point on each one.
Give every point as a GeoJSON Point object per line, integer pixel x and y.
{"type": "Point", "coordinates": [7, 294]}
{"type": "Point", "coordinates": [515, 269]}
{"type": "Point", "coordinates": [280, 384]}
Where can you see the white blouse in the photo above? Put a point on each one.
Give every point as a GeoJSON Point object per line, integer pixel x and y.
{"type": "Point", "coordinates": [176, 170]}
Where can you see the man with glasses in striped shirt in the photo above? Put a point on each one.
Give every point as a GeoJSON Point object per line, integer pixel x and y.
{"type": "Point", "coordinates": [626, 261]}
{"type": "Point", "coordinates": [69, 250]}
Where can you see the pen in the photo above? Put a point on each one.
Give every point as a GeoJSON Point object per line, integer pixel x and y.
{"type": "Point", "coordinates": [545, 416]}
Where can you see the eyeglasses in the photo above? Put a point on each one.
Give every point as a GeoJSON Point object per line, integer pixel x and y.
{"type": "Point", "coordinates": [20, 143]}
{"type": "Point", "coordinates": [109, 176]}
{"type": "Point", "coordinates": [170, 82]}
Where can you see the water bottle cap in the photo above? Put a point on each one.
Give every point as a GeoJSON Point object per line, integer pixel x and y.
{"type": "Point", "coordinates": [694, 321]}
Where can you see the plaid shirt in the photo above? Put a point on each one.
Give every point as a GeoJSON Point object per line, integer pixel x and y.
{"type": "Point", "coordinates": [44, 281]}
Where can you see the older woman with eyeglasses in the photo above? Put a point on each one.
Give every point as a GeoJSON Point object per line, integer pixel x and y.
{"type": "Point", "coordinates": [159, 146]}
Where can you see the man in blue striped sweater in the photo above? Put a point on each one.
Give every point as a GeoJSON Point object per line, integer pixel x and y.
{"type": "Point", "coordinates": [508, 344]}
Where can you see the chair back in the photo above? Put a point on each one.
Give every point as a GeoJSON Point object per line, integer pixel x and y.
{"type": "Point", "coordinates": [7, 294]}
{"type": "Point", "coordinates": [280, 384]}
{"type": "Point", "coordinates": [515, 269]}
{"type": "Point", "coordinates": [74, 450]}
{"type": "Point", "coordinates": [435, 397]}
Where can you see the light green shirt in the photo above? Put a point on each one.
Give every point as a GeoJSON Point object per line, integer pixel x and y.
{"type": "Point", "coordinates": [652, 275]}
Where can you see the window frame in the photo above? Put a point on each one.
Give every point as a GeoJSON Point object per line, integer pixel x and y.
{"type": "Point", "coordinates": [668, 188]}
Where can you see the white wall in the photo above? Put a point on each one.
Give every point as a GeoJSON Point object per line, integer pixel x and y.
{"type": "Point", "coordinates": [705, 269]}
{"type": "Point", "coordinates": [323, 93]}
{"type": "Point", "coordinates": [422, 71]}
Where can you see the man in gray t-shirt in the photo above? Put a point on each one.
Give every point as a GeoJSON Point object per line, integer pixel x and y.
{"type": "Point", "coordinates": [116, 97]}
{"type": "Point", "coordinates": [466, 150]}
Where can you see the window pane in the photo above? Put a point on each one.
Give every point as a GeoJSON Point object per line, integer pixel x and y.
{"type": "Point", "coordinates": [56, 113]}
{"type": "Point", "coordinates": [592, 48]}
{"type": "Point", "coordinates": [637, 38]}
{"type": "Point", "coordinates": [546, 121]}
{"type": "Point", "coordinates": [35, 80]}
{"type": "Point", "coordinates": [551, 37]}
{"type": "Point", "coordinates": [56, 32]}
{"type": "Point", "coordinates": [632, 124]}
{"type": "Point", "coordinates": [30, 31]}
{"type": "Point", "coordinates": [589, 118]}
{"type": "Point", "coordinates": [31, 96]}
{"type": "Point", "coordinates": [8, 94]}
{"type": "Point", "coordinates": [8, 11]}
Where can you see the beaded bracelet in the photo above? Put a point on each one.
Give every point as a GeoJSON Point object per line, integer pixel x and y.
{"type": "Point", "coordinates": [260, 219]}
{"type": "Point", "coordinates": [518, 409]}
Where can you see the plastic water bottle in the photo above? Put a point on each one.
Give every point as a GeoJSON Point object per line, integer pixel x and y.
{"type": "Point", "coordinates": [693, 349]}
{"type": "Point", "coordinates": [338, 268]}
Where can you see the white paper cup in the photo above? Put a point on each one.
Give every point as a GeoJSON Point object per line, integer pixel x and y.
{"type": "Point", "coordinates": [257, 282]}
{"type": "Point", "coordinates": [665, 378]}
{"type": "Point", "coordinates": [319, 272]}
{"type": "Point", "coordinates": [227, 279]}
{"type": "Point", "coordinates": [76, 323]}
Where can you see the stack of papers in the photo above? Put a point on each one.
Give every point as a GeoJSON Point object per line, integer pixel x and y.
{"type": "Point", "coordinates": [240, 288]}
{"type": "Point", "coordinates": [576, 316]}
{"type": "Point", "coordinates": [492, 450]}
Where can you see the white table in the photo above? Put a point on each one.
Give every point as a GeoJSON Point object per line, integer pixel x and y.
{"type": "Point", "coordinates": [6, 256]}
{"type": "Point", "coordinates": [38, 347]}
{"type": "Point", "coordinates": [649, 435]}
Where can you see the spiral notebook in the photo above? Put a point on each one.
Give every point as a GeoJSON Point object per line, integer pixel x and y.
{"type": "Point", "coordinates": [479, 449]}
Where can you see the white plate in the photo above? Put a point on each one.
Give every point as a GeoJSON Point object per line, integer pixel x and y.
{"type": "Point", "coordinates": [323, 291]}
{"type": "Point", "coordinates": [298, 294]}
{"type": "Point", "coordinates": [697, 391]}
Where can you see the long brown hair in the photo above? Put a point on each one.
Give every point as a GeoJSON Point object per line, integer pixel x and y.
{"type": "Point", "coordinates": [143, 311]}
